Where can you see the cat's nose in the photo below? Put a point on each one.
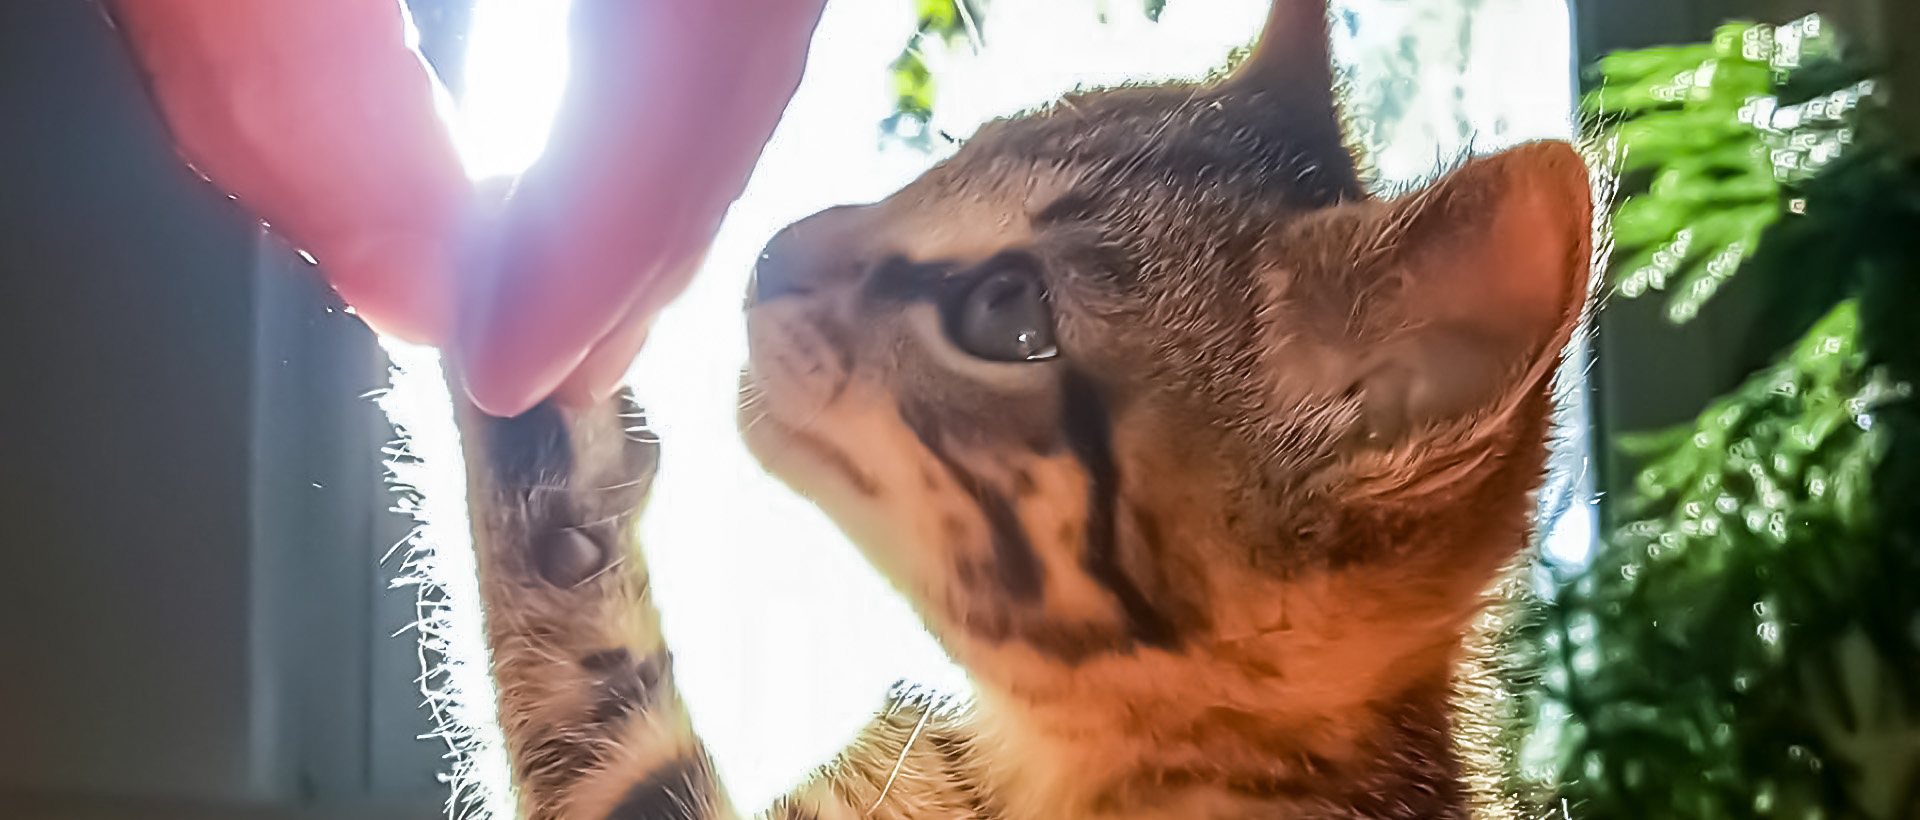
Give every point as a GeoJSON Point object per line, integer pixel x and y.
{"type": "Point", "coordinates": [813, 253]}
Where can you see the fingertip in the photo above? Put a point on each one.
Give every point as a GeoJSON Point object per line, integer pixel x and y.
{"type": "Point", "coordinates": [506, 387]}
{"type": "Point", "coordinates": [579, 392]}
{"type": "Point", "coordinates": [396, 329]}
{"type": "Point", "coordinates": [496, 403]}
{"type": "Point", "coordinates": [398, 285]}
{"type": "Point", "coordinates": [537, 307]}
{"type": "Point", "coordinates": [601, 371]}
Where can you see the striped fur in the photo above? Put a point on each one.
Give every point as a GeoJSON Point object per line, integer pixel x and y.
{"type": "Point", "coordinates": [594, 725]}
{"type": "Point", "coordinates": [1216, 559]}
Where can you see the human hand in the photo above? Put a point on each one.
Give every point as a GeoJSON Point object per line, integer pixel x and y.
{"type": "Point", "coordinates": [318, 117]}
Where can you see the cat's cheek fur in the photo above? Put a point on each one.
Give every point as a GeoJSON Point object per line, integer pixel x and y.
{"type": "Point", "coordinates": [845, 462]}
{"type": "Point", "coordinates": [995, 605]}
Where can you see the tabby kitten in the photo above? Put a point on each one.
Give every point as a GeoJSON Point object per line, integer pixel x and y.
{"type": "Point", "coordinates": [1195, 456]}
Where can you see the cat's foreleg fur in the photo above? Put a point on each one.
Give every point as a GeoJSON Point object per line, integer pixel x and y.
{"type": "Point", "coordinates": [593, 723]}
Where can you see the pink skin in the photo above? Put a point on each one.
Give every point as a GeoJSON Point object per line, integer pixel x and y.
{"type": "Point", "coordinates": [317, 116]}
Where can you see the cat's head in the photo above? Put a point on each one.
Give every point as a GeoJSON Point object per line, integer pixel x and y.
{"type": "Point", "coordinates": [1122, 372]}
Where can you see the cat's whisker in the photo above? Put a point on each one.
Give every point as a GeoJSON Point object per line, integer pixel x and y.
{"type": "Point", "coordinates": [789, 442]}
{"type": "Point", "coordinates": [602, 520]}
{"type": "Point", "coordinates": [568, 488]}
{"type": "Point", "coordinates": [899, 762]}
{"type": "Point", "coordinates": [619, 561]}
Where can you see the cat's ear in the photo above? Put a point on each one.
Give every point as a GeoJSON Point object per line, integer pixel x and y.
{"type": "Point", "coordinates": [1285, 90]}
{"type": "Point", "coordinates": [1292, 55]}
{"type": "Point", "coordinates": [1490, 265]}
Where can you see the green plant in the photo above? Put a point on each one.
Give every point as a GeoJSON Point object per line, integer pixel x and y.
{"type": "Point", "coordinates": [1748, 644]}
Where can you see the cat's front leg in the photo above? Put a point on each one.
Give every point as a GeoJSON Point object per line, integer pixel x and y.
{"type": "Point", "coordinates": [594, 725]}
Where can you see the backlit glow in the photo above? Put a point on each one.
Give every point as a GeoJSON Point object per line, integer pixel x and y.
{"type": "Point", "coordinates": [785, 640]}
{"type": "Point", "coordinates": [516, 68]}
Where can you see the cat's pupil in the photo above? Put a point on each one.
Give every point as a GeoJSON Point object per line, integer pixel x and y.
{"type": "Point", "coordinates": [1003, 317]}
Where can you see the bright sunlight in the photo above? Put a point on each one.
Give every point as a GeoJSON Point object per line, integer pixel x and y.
{"type": "Point", "coordinates": [785, 641]}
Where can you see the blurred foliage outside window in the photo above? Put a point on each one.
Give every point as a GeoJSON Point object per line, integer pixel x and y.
{"type": "Point", "coordinates": [1747, 643]}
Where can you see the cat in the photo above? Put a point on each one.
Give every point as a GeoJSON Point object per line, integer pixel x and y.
{"type": "Point", "coordinates": [1196, 457]}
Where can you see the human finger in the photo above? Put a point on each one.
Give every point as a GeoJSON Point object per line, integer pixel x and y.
{"type": "Point", "coordinates": [320, 119]}
{"type": "Point", "coordinates": [667, 109]}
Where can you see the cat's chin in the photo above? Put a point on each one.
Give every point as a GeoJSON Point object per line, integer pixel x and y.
{"type": "Point", "coordinates": [806, 462]}
{"type": "Point", "coordinates": [770, 440]}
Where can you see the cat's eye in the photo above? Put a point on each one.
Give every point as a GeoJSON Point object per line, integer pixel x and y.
{"type": "Point", "coordinates": [1003, 317]}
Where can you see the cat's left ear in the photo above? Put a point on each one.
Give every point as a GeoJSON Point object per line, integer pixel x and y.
{"type": "Point", "coordinates": [1492, 263]}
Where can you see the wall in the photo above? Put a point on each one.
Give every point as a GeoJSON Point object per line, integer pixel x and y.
{"type": "Point", "coordinates": [192, 614]}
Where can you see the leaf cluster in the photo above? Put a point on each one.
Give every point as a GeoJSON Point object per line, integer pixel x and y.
{"type": "Point", "coordinates": [1757, 616]}
{"type": "Point", "coordinates": [1713, 133]}
{"type": "Point", "coordinates": [942, 24]}
{"type": "Point", "coordinates": [1694, 656]}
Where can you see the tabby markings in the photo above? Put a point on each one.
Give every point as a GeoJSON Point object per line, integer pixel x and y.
{"type": "Point", "coordinates": [1087, 429]}
{"type": "Point", "coordinates": [1017, 565]}
{"type": "Point", "coordinates": [621, 685]}
{"type": "Point", "coordinates": [959, 771]}
{"type": "Point", "coordinates": [838, 461]}
{"type": "Point", "coordinates": [1086, 424]}
{"type": "Point", "coordinates": [681, 790]}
